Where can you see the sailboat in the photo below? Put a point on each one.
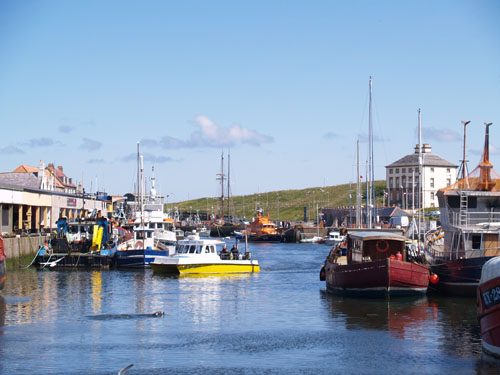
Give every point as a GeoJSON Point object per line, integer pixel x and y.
{"type": "Point", "coordinates": [153, 231]}
{"type": "Point", "coordinates": [469, 235]}
{"type": "Point", "coordinates": [377, 263]}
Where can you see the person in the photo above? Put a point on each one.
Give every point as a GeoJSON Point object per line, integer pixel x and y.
{"type": "Point", "coordinates": [224, 253]}
{"type": "Point", "coordinates": [234, 252]}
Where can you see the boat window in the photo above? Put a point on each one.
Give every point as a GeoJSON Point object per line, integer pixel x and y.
{"type": "Point", "coordinates": [207, 249]}
{"type": "Point", "coordinates": [213, 249]}
{"type": "Point", "coordinates": [476, 241]}
{"type": "Point", "coordinates": [198, 249]}
{"type": "Point", "coordinates": [192, 248]}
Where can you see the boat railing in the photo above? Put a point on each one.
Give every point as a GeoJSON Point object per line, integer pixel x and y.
{"type": "Point", "coordinates": [474, 218]}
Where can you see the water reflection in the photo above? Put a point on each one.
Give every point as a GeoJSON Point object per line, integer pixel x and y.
{"type": "Point", "coordinates": [402, 317]}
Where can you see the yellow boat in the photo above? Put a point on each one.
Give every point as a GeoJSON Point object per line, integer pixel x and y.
{"type": "Point", "coordinates": [199, 256]}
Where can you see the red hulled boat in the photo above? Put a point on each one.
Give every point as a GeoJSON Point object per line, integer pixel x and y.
{"type": "Point", "coordinates": [376, 266]}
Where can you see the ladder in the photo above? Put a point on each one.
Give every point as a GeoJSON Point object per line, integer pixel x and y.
{"type": "Point", "coordinates": [463, 208]}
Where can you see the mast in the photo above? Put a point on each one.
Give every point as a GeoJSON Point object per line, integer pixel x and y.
{"type": "Point", "coordinates": [420, 175]}
{"type": "Point", "coordinates": [372, 169]}
{"type": "Point", "coordinates": [228, 184]}
{"type": "Point", "coordinates": [463, 171]}
{"type": "Point", "coordinates": [221, 179]}
{"type": "Point", "coordinates": [485, 183]}
{"type": "Point", "coordinates": [358, 191]}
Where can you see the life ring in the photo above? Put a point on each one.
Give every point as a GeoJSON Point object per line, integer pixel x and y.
{"type": "Point", "coordinates": [382, 246]}
{"type": "Point", "coordinates": [139, 245]}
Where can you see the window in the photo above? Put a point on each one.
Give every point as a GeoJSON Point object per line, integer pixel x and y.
{"type": "Point", "coordinates": [410, 170]}
{"type": "Point", "coordinates": [390, 170]}
{"type": "Point", "coordinates": [476, 241]}
{"type": "Point", "coordinates": [432, 170]}
{"type": "Point", "coordinates": [432, 196]}
{"type": "Point", "coordinates": [397, 182]}
{"type": "Point", "coordinates": [397, 170]}
{"type": "Point", "coordinates": [403, 170]}
{"type": "Point", "coordinates": [448, 170]}
{"type": "Point", "coordinates": [403, 181]}
{"type": "Point", "coordinates": [448, 181]}
{"type": "Point", "coordinates": [432, 182]}
{"type": "Point", "coordinates": [390, 182]}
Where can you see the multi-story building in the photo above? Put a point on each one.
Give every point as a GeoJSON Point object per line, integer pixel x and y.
{"type": "Point", "coordinates": [402, 179]}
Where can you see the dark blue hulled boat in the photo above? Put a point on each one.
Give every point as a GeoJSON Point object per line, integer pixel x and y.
{"type": "Point", "coordinates": [470, 228]}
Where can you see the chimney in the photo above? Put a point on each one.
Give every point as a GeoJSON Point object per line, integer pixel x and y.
{"type": "Point", "coordinates": [60, 168]}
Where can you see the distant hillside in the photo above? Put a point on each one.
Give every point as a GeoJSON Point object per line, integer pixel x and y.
{"type": "Point", "coordinates": [283, 204]}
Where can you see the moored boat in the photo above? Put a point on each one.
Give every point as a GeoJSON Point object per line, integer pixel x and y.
{"type": "Point", "coordinates": [470, 229]}
{"type": "Point", "coordinates": [262, 229]}
{"type": "Point", "coordinates": [199, 256]}
{"type": "Point", "coordinates": [488, 306]}
{"type": "Point", "coordinates": [334, 238]}
{"type": "Point", "coordinates": [376, 266]}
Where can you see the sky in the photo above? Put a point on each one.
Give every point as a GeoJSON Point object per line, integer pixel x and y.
{"type": "Point", "coordinates": [280, 85]}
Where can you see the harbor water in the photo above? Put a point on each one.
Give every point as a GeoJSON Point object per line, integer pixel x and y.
{"type": "Point", "coordinates": [279, 321]}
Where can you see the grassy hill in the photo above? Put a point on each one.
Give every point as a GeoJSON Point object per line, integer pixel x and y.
{"type": "Point", "coordinates": [283, 204]}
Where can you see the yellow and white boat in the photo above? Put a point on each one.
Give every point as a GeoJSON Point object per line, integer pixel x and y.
{"type": "Point", "coordinates": [199, 256]}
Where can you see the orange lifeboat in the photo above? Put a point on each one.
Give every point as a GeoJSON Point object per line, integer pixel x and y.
{"type": "Point", "coordinates": [262, 229]}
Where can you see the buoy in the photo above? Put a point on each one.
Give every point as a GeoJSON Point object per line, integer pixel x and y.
{"type": "Point", "coordinates": [434, 279]}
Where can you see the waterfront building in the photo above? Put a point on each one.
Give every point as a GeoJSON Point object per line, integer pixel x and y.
{"type": "Point", "coordinates": [32, 199]}
{"type": "Point", "coordinates": [402, 179]}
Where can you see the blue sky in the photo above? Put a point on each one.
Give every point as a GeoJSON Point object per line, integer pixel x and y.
{"type": "Point", "coordinates": [283, 85]}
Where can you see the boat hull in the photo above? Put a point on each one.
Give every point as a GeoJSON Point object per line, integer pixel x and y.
{"type": "Point", "coordinates": [265, 238]}
{"type": "Point", "coordinates": [175, 268]}
{"type": "Point", "coordinates": [137, 258]}
{"type": "Point", "coordinates": [459, 277]}
{"type": "Point", "coordinates": [379, 278]}
{"type": "Point", "coordinates": [488, 315]}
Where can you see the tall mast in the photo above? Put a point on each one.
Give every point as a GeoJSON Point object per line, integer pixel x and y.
{"type": "Point", "coordinates": [485, 183]}
{"type": "Point", "coordinates": [420, 174]}
{"type": "Point", "coordinates": [463, 163]}
{"type": "Point", "coordinates": [228, 183]}
{"type": "Point", "coordinates": [358, 191]}
{"type": "Point", "coordinates": [370, 200]}
{"type": "Point", "coordinates": [221, 179]}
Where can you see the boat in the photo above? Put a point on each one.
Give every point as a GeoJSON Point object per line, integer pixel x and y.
{"type": "Point", "coordinates": [334, 238]}
{"type": "Point", "coordinates": [153, 231]}
{"type": "Point", "coordinates": [199, 256]}
{"type": "Point", "coordinates": [470, 228]}
{"type": "Point", "coordinates": [262, 229]}
{"type": "Point", "coordinates": [3, 275]}
{"type": "Point", "coordinates": [313, 239]}
{"type": "Point", "coordinates": [488, 306]}
{"type": "Point", "coordinates": [376, 266]}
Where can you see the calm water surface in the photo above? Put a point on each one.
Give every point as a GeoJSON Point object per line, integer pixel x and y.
{"type": "Point", "coordinates": [280, 321]}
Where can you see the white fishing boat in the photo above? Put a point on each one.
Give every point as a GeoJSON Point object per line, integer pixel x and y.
{"type": "Point", "coordinates": [199, 256]}
{"type": "Point", "coordinates": [334, 238]}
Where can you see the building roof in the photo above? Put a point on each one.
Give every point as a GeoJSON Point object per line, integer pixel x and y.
{"type": "Point", "coordinates": [428, 159]}
{"type": "Point", "coordinates": [20, 179]}
{"type": "Point", "coordinates": [23, 168]}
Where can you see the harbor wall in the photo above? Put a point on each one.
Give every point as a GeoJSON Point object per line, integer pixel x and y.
{"type": "Point", "coordinates": [19, 246]}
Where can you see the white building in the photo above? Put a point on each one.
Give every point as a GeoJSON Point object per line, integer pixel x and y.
{"type": "Point", "coordinates": [402, 178]}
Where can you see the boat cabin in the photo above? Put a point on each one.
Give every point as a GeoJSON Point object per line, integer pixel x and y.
{"type": "Point", "coordinates": [372, 246]}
